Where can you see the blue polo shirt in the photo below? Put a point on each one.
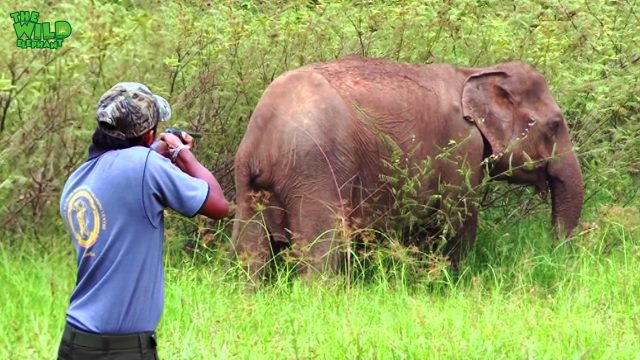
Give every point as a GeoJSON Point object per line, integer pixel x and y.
{"type": "Point", "coordinates": [113, 207]}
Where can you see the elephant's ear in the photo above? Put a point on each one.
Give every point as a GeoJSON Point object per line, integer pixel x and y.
{"type": "Point", "coordinates": [490, 106]}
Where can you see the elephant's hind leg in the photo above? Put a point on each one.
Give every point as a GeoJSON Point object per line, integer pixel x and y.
{"type": "Point", "coordinates": [250, 234]}
{"type": "Point", "coordinates": [317, 234]}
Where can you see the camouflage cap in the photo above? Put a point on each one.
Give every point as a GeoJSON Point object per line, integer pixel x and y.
{"type": "Point", "coordinates": [130, 109]}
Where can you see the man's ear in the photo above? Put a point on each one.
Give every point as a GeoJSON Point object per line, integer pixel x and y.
{"type": "Point", "coordinates": [148, 138]}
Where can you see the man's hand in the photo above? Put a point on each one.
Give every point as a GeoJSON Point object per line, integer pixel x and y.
{"type": "Point", "coordinates": [174, 141]}
{"type": "Point", "coordinates": [169, 142]}
{"type": "Point", "coordinates": [161, 148]}
{"type": "Point", "coordinates": [188, 139]}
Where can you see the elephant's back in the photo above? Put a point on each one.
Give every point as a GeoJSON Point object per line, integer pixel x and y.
{"type": "Point", "coordinates": [344, 71]}
{"type": "Point", "coordinates": [354, 74]}
{"type": "Point", "coordinates": [347, 85]}
{"type": "Point", "coordinates": [405, 101]}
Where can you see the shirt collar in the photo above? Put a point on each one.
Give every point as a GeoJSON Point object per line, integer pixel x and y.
{"type": "Point", "coordinates": [95, 151]}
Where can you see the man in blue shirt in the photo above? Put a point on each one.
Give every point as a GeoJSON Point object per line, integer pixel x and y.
{"type": "Point", "coordinates": [113, 206]}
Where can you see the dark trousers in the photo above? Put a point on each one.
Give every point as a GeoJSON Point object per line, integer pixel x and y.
{"type": "Point", "coordinates": [79, 345]}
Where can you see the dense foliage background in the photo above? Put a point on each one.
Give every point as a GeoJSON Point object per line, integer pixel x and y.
{"type": "Point", "coordinates": [212, 61]}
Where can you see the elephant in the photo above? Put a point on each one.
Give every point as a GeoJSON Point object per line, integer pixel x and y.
{"type": "Point", "coordinates": [313, 153]}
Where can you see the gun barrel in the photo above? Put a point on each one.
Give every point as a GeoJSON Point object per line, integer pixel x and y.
{"type": "Point", "coordinates": [177, 132]}
{"type": "Point", "coordinates": [195, 135]}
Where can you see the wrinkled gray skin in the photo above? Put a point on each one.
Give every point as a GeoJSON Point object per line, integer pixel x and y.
{"type": "Point", "coordinates": [318, 129]}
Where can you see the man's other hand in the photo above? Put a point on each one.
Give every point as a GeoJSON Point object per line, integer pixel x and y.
{"type": "Point", "coordinates": [174, 141]}
{"type": "Point", "coordinates": [161, 148]}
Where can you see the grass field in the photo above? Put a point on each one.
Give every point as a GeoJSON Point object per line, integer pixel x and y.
{"type": "Point", "coordinates": [519, 295]}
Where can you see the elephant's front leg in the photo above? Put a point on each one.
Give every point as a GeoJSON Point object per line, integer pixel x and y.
{"type": "Point", "coordinates": [465, 179]}
{"type": "Point", "coordinates": [464, 237]}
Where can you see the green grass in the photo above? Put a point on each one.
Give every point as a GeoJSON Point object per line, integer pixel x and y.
{"type": "Point", "coordinates": [520, 295]}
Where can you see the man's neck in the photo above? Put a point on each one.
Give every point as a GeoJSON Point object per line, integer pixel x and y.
{"type": "Point", "coordinates": [95, 151]}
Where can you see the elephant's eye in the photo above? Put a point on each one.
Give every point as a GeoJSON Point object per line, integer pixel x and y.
{"type": "Point", "coordinates": [554, 125]}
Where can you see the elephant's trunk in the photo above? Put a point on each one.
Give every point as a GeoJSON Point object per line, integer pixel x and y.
{"type": "Point", "coordinates": [567, 194]}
